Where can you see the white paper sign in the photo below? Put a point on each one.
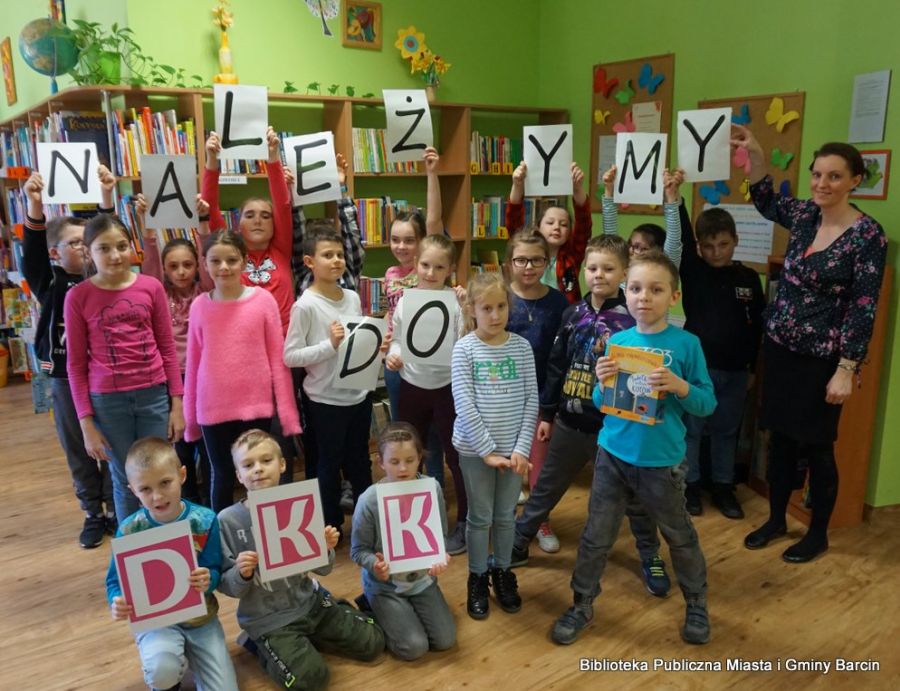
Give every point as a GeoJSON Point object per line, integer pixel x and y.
{"type": "Point", "coordinates": [640, 161]}
{"type": "Point", "coordinates": [242, 116]}
{"type": "Point", "coordinates": [869, 107]}
{"type": "Point", "coordinates": [154, 567]}
{"type": "Point", "coordinates": [359, 354]}
{"type": "Point", "coordinates": [606, 156]}
{"type": "Point", "coordinates": [170, 187]}
{"type": "Point", "coordinates": [428, 324]}
{"type": "Point", "coordinates": [409, 128]}
{"type": "Point", "coordinates": [409, 516]}
{"type": "Point", "coordinates": [288, 529]}
{"type": "Point", "coordinates": [547, 150]}
{"type": "Point", "coordinates": [704, 151]}
{"type": "Point", "coordinates": [70, 172]}
{"type": "Point", "coordinates": [646, 116]}
{"type": "Point", "coordinates": [754, 232]}
{"type": "Point", "coordinates": [312, 158]}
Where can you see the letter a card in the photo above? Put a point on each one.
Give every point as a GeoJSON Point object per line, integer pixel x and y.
{"type": "Point", "coordinates": [154, 568]}
{"type": "Point", "coordinates": [70, 172]}
{"type": "Point", "coordinates": [410, 520]}
{"type": "Point", "coordinates": [409, 128]}
{"type": "Point", "coordinates": [170, 186]}
{"type": "Point", "coordinates": [288, 529]}
{"type": "Point", "coordinates": [359, 354]}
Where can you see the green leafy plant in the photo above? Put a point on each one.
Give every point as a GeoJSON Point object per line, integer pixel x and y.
{"type": "Point", "coordinates": [289, 88]}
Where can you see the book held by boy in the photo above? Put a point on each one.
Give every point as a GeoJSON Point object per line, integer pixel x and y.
{"type": "Point", "coordinates": [628, 394]}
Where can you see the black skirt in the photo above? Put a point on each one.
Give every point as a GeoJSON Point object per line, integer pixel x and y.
{"type": "Point", "coordinates": [793, 395]}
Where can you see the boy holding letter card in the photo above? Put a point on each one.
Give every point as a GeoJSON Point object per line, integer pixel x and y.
{"type": "Point", "coordinates": [289, 618]}
{"type": "Point", "coordinates": [157, 581]}
{"type": "Point", "coordinates": [398, 530]}
{"type": "Point", "coordinates": [628, 392]}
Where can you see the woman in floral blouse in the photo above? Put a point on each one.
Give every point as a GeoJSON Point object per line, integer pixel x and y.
{"type": "Point", "coordinates": [817, 330]}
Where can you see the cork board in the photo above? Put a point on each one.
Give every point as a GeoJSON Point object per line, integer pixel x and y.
{"type": "Point", "coordinates": [776, 120]}
{"type": "Point", "coordinates": [617, 88]}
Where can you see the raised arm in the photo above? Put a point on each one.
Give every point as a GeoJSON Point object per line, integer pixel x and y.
{"type": "Point", "coordinates": [610, 210]}
{"type": "Point", "coordinates": [209, 184]}
{"type": "Point", "coordinates": [282, 240]}
{"type": "Point", "coordinates": [434, 223]}
{"type": "Point", "coordinates": [206, 281]}
{"type": "Point", "coordinates": [351, 235]}
{"type": "Point", "coordinates": [151, 265]}
{"type": "Point", "coordinates": [672, 197]}
{"type": "Point", "coordinates": [515, 208]}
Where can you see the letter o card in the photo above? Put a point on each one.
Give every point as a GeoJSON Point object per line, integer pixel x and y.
{"type": "Point", "coordinates": [409, 129]}
{"type": "Point", "coordinates": [170, 186]}
{"type": "Point", "coordinates": [359, 354]}
{"type": "Point", "coordinates": [429, 326]}
{"type": "Point", "coordinates": [70, 172]}
{"type": "Point", "coordinates": [288, 529]}
{"type": "Point", "coordinates": [410, 520]}
{"type": "Point", "coordinates": [154, 567]}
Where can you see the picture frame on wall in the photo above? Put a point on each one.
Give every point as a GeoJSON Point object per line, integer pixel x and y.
{"type": "Point", "coordinates": [361, 24]}
{"type": "Point", "coordinates": [878, 168]}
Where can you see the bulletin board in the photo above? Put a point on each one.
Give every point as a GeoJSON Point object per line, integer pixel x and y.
{"type": "Point", "coordinates": [776, 121]}
{"type": "Point", "coordinates": [617, 88]}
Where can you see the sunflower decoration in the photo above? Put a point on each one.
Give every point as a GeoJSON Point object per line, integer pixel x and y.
{"type": "Point", "coordinates": [411, 45]}
{"type": "Point", "coordinates": [410, 42]}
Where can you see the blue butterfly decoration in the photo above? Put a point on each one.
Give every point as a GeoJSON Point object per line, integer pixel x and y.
{"type": "Point", "coordinates": [785, 188]}
{"type": "Point", "coordinates": [714, 193]}
{"type": "Point", "coordinates": [743, 118]}
{"type": "Point", "coordinates": [648, 80]}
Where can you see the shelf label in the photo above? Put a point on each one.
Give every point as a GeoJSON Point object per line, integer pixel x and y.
{"type": "Point", "coordinates": [232, 179]}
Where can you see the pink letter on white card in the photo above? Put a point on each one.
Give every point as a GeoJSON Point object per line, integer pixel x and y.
{"type": "Point", "coordinates": [411, 532]}
{"type": "Point", "coordinates": [153, 568]}
{"type": "Point", "coordinates": [288, 529]}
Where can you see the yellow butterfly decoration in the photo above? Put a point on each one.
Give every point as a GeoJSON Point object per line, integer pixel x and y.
{"type": "Point", "coordinates": [600, 116]}
{"type": "Point", "coordinates": [745, 189]}
{"type": "Point", "coordinates": [775, 115]}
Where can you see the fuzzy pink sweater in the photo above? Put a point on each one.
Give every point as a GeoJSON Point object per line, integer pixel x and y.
{"type": "Point", "coordinates": [235, 369]}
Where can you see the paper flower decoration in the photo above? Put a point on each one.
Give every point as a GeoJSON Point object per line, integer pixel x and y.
{"type": "Point", "coordinates": [411, 45]}
{"type": "Point", "coordinates": [410, 42]}
{"type": "Point", "coordinates": [222, 18]}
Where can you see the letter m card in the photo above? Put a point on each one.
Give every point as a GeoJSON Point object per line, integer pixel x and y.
{"type": "Point", "coordinates": [410, 519]}
{"type": "Point", "coordinates": [154, 567]}
{"type": "Point", "coordinates": [288, 528]}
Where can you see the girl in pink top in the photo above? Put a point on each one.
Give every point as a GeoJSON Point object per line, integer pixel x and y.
{"type": "Point", "coordinates": [122, 363]}
{"type": "Point", "coordinates": [184, 277]}
{"type": "Point", "coordinates": [266, 226]}
{"type": "Point", "coordinates": [235, 376]}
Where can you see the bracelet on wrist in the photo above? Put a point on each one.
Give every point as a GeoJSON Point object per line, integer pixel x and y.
{"type": "Point", "coordinates": [853, 369]}
{"type": "Point", "coordinates": [203, 219]}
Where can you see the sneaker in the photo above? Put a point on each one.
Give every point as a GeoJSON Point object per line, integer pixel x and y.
{"type": "Point", "coordinates": [92, 532]}
{"type": "Point", "coordinates": [346, 497]}
{"type": "Point", "coordinates": [522, 498]}
{"type": "Point", "coordinates": [696, 624]}
{"type": "Point", "coordinates": [692, 501]}
{"type": "Point", "coordinates": [477, 603]}
{"type": "Point", "coordinates": [455, 542]}
{"type": "Point", "coordinates": [112, 524]}
{"type": "Point", "coordinates": [724, 500]}
{"type": "Point", "coordinates": [506, 590]}
{"type": "Point", "coordinates": [655, 577]}
{"type": "Point", "coordinates": [547, 540]}
{"type": "Point", "coordinates": [519, 556]}
{"type": "Point", "coordinates": [573, 621]}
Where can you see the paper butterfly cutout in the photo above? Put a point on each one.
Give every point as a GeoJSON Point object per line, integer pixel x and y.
{"type": "Point", "coordinates": [781, 159]}
{"type": "Point", "coordinates": [260, 274]}
{"type": "Point", "coordinates": [600, 116]}
{"type": "Point", "coordinates": [625, 94]}
{"type": "Point", "coordinates": [785, 188]}
{"type": "Point", "coordinates": [627, 126]}
{"type": "Point", "coordinates": [775, 115]}
{"type": "Point", "coordinates": [743, 118]}
{"type": "Point", "coordinates": [714, 193]}
{"type": "Point", "coordinates": [745, 189]}
{"type": "Point", "coordinates": [741, 159]}
{"type": "Point", "coordinates": [602, 85]}
{"type": "Point", "coordinates": [648, 80]}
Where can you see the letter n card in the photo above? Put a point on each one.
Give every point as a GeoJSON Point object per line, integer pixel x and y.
{"type": "Point", "coordinates": [154, 568]}
{"type": "Point", "coordinates": [288, 529]}
{"type": "Point", "coordinates": [410, 519]}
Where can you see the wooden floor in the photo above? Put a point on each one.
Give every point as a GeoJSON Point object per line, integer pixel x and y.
{"type": "Point", "coordinates": [56, 632]}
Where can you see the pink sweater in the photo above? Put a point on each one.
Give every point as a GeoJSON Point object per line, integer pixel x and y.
{"type": "Point", "coordinates": [119, 340]}
{"type": "Point", "coordinates": [235, 369]}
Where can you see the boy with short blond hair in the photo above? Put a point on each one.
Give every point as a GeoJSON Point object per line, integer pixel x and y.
{"type": "Point", "coordinates": [155, 476]}
{"type": "Point", "coordinates": [288, 619]}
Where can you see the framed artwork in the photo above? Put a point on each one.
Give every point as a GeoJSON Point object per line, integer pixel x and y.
{"type": "Point", "coordinates": [878, 168]}
{"type": "Point", "coordinates": [361, 24]}
{"type": "Point", "coordinates": [9, 77]}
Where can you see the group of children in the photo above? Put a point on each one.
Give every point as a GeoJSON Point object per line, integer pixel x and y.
{"type": "Point", "coordinates": [221, 328]}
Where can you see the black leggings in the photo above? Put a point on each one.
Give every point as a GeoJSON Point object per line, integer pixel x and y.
{"type": "Point", "coordinates": [784, 476]}
{"type": "Point", "coordinates": [218, 440]}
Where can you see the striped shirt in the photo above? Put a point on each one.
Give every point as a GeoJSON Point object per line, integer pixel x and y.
{"type": "Point", "coordinates": [496, 397]}
{"type": "Point", "coordinates": [672, 248]}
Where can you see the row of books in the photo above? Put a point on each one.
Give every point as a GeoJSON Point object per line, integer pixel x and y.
{"type": "Point", "coordinates": [376, 215]}
{"type": "Point", "coordinates": [497, 155]}
{"type": "Point", "coordinates": [372, 296]}
{"type": "Point", "coordinates": [128, 213]}
{"type": "Point", "coordinates": [489, 215]}
{"type": "Point", "coordinates": [370, 155]}
{"type": "Point", "coordinates": [144, 132]}
{"type": "Point", "coordinates": [18, 146]}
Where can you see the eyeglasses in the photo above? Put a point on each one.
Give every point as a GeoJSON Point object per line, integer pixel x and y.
{"type": "Point", "coordinates": [637, 247]}
{"type": "Point", "coordinates": [75, 244]}
{"type": "Point", "coordinates": [536, 262]}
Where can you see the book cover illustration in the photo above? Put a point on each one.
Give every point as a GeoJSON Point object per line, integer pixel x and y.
{"type": "Point", "coordinates": [627, 394]}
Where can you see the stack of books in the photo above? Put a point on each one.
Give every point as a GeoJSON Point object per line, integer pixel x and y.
{"type": "Point", "coordinates": [370, 155]}
{"type": "Point", "coordinates": [494, 155]}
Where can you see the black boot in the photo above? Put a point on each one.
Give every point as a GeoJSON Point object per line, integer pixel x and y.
{"type": "Point", "coordinates": [692, 501]}
{"type": "Point", "coordinates": [477, 600]}
{"type": "Point", "coordinates": [724, 500]}
{"type": "Point", "coordinates": [506, 589]}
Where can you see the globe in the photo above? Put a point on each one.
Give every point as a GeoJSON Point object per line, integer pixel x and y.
{"type": "Point", "coordinates": [48, 47]}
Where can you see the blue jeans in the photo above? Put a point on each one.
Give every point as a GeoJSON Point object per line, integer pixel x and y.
{"type": "Point", "coordinates": [492, 512]}
{"type": "Point", "coordinates": [661, 492]}
{"type": "Point", "coordinates": [124, 417]}
{"type": "Point", "coordinates": [167, 653]}
{"type": "Point", "coordinates": [434, 451]}
{"type": "Point", "coordinates": [722, 427]}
